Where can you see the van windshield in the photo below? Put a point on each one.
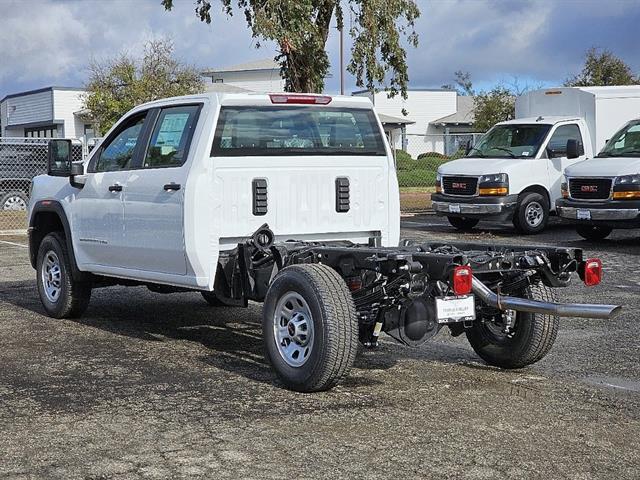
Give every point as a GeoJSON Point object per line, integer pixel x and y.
{"type": "Point", "coordinates": [299, 130]}
{"type": "Point", "coordinates": [625, 143]}
{"type": "Point", "coordinates": [511, 141]}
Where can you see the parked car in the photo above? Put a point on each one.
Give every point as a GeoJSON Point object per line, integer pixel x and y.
{"type": "Point", "coordinates": [20, 161]}
{"type": "Point", "coordinates": [291, 200]}
{"type": "Point", "coordinates": [603, 193]}
{"type": "Point", "coordinates": [516, 170]}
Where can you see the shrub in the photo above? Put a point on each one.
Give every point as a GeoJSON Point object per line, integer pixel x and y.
{"type": "Point", "coordinates": [404, 161]}
{"type": "Point", "coordinates": [431, 155]}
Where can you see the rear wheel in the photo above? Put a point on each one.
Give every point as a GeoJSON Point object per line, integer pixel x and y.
{"type": "Point", "coordinates": [527, 340]}
{"type": "Point", "coordinates": [310, 328]}
{"type": "Point", "coordinates": [60, 294]}
{"type": "Point", "coordinates": [593, 232]}
{"type": "Point", "coordinates": [463, 223]}
{"type": "Point", "coordinates": [532, 213]}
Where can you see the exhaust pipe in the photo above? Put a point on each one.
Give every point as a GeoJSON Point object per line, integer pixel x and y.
{"type": "Point", "coordinates": [502, 302]}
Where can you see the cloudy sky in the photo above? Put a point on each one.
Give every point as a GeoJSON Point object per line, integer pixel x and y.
{"type": "Point", "coordinates": [537, 42]}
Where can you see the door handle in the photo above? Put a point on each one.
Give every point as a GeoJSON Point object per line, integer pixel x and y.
{"type": "Point", "coordinates": [115, 188]}
{"type": "Point", "coordinates": [172, 187]}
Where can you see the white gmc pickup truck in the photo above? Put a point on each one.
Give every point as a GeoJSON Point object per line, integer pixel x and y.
{"type": "Point", "coordinates": [291, 200]}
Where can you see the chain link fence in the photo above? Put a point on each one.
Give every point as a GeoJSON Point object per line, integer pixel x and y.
{"type": "Point", "coordinates": [21, 159]}
{"type": "Point", "coordinates": [417, 165]}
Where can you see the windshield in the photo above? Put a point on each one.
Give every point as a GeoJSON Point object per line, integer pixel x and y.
{"type": "Point", "coordinates": [625, 143]}
{"type": "Point", "coordinates": [287, 130]}
{"type": "Point", "coordinates": [511, 141]}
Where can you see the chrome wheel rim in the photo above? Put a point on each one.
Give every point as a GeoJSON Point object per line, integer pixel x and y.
{"type": "Point", "coordinates": [14, 202]}
{"type": "Point", "coordinates": [51, 273]}
{"type": "Point", "coordinates": [293, 329]}
{"type": "Point", "coordinates": [534, 214]}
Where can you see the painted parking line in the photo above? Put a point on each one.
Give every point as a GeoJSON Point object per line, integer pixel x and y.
{"type": "Point", "coordinates": [14, 244]}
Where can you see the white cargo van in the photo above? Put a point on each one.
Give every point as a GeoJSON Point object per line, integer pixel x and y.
{"type": "Point", "coordinates": [515, 172]}
{"type": "Point", "coordinates": [603, 193]}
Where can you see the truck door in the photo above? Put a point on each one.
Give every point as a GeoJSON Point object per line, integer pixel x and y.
{"type": "Point", "coordinates": [98, 208]}
{"type": "Point", "coordinates": [557, 153]}
{"type": "Point", "coordinates": [154, 197]}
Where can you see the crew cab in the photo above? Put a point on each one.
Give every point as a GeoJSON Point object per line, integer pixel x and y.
{"type": "Point", "coordinates": [291, 200]}
{"type": "Point", "coordinates": [516, 170]}
{"type": "Point", "coordinates": [603, 193]}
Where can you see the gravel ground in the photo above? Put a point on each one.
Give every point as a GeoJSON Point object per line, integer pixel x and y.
{"type": "Point", "coordinates": [162, 386]}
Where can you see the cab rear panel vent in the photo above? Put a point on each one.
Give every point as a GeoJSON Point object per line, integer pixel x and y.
{"type": "Point", "coordinates": [260, 200]}
{"type": "Point", "coordinates": [342, 194]}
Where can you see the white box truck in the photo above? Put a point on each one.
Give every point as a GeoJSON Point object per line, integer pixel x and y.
{"type": "Point", "coordinates": [515, 171]}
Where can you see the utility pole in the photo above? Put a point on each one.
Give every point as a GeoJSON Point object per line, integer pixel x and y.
{"type": "Point", "coordinates": [341, 61]}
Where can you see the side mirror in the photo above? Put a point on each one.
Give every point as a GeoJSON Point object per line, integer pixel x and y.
{"type": "Point", "coordinates": [467, 148]}
{"type": "Point", "coordinates": [59, 158]}
{"type": "Point", "coordinates": [572, 149]}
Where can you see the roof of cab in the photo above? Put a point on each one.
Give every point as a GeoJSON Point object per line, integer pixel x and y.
{"type": "Point", "coordinates": [543, 120]}
{"type": "Point", "coordinates": [256, 99]}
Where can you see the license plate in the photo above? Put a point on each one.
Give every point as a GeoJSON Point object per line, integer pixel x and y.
{"type": "Point", "coordinates": [583, 214]}
{"type": "Point", "coordinates": [455, 309]}
{"type": "Point", "coordinates": [454, 208]}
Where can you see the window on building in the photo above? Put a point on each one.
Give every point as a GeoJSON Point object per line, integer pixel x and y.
{"type": "Point", "coordinates": [50, 131]}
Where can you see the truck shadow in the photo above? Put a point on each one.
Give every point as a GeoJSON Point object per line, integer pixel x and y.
{"type": "Point", "coordinates": [232, 336]}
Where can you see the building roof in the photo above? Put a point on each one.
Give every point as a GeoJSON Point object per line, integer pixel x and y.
{"type": "Point", "coordinates": [390, 120]}
{"type": "Point", "coordinates": [39, 90]}
{"type": "Point", "coordinates": [463, 116]}
{"type": "Point", "coordinates": [264, 64]}
{"type": "Point", "coordinates": [225, 88]}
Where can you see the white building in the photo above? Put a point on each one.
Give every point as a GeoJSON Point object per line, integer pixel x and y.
{"type": "Point", "coordinates": [47, 112]}
{"type": "Point", "coordinates": [433, 117]}
{"type": "Point", "coordinates": [257, 76]}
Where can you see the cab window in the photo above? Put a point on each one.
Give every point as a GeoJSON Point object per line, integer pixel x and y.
{"type": "Point", "coordinates": [169, 143]}
{"type": "Point", "coordinates": [557, 146]}
{"type": "Point", "coordinates": [117, 153]}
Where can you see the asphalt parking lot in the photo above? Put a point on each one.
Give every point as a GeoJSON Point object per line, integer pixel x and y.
{"type": "Point", "coordinates": [153, 386]}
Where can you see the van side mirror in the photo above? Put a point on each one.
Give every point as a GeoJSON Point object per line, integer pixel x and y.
{"type": "Point", "coordinates": [467, 148]}
{"type": "Point", "coordinates": [59, 158]}
{"type": "Point", "coordinates": [572, 148]}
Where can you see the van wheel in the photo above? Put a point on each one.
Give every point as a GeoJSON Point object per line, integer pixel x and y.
{"type": "Point", "coordinates": [463, 223]}
{"type": "Point", "coordinates": [532, 213]}
{"type": "Point", "coordinates": [14, 200]}
{"type": "Point", "coordinates": [529, 340]}
{"type": "Point", "coordinates": [593, 232]}
{"type": "Point", "coordinates": [309, 327]}
{"type": "Point", "coordinates": [60, 294]}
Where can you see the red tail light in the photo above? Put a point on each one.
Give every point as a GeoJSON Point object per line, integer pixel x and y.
{"type": "Point", "coordinates": [592, 272]}
{"type": "Point", "coordinates": [300, 99]}
{"type": "Point", "coordinates": [462, 278]}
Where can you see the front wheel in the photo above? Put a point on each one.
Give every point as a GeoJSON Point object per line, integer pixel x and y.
{"type": "Point", "coordinates": [593, 232]}
{"type": "Point", "coordinates": [310, 327]}
{"type": "Point", "coordinates": [60, 294]}
{"type": "Point", "coordinates": [463, 223]}
{"type": "Point", "coordinates": [515, 339]}
{"type": "Point", "coordinates": [532, 213]}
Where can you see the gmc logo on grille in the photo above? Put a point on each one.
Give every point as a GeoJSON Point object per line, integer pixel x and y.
{"type": "Point", "coordinates": [458, 185]}
{"type": "Point", "coordinates": [589, 188]}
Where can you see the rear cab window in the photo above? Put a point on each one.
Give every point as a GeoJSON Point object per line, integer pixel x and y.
{"type": "Point", "coordinates": [299, 130]}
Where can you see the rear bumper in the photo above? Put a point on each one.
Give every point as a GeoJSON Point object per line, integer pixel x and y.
{"type": "Point", "coordinates": [497, 208]}
{"type": "Point", "coordinates": [607, 213]}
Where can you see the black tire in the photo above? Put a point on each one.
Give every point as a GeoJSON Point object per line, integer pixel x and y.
{"type": "Point", "coordinates": [463, 223]}
{"type": "Point", "coordinates": [533, 336]}
{"type": "Point", "coordinates": [593, 232]}
{"type": "Point", "coordinates": [72, 297]}
{"type": "Point", "coordinates": [213, 300]}
{"type": "Point", "coordinates": [530, 205]}
{"type": "Point", "coordinates": [334, 339]}
{"type": "Point", "coordinates": [13, 200]}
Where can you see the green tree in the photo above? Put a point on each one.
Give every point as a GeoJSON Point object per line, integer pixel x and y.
{"type": "Point", "coordinates": [496, 105]}
{"type": "Point", "coordinates": [602, 68]}
{"type": "Point", "coordinates": [117, 85]}
{"type": "Point", "coordinates": [462, 84]}
{"type": "Point", "coordinates": [300, 29]}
